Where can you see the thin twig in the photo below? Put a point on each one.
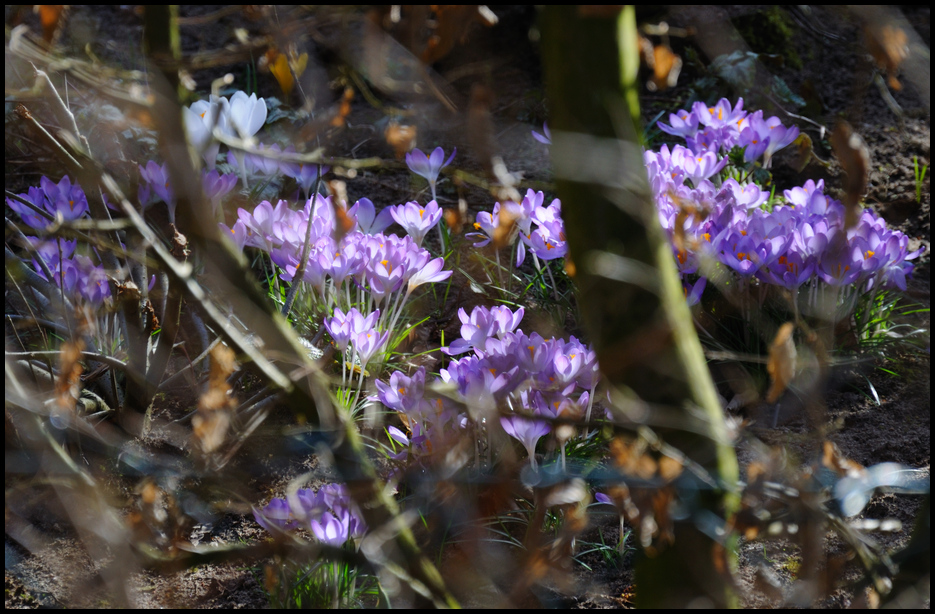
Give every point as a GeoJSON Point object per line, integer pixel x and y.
{"type": "Point", "coordinates": [306, 246]}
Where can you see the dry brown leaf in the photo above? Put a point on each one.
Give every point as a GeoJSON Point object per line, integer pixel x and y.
{"type": "Point", "coordinates": [666, 68]}
{"type": "Point", "coordinates": [801, 152]}
{"type": "Point", "coordinates": [570, 269]}
{"type": "Point", "coordinates": [344, 108]}
{"type": "Point", "coordinates": [837, 462]}
{"type": "Point", "coordinates": [506, 229]}
{"type": "Point", "coordinates": [781, 363]}
{"type": "Point", "coordinates": [686, 209]}
{"type": "Point", "coordinates": [755, 470]}
{"type": "Point", "coordinates": [669, 468]}
{"type": "Point", "coordinates": [453, 22]}
{"type": "Point", "coordinates": [888, 44]}
{"type": "Point", "coordinates": [68, 384]}
{"type": "Point", "coordinates": [456, 218]}
{"type": "Point", "coordinates": [211, 423]}
{"type": "Point", "coordinates": [854, 156]}
{"type": "Point", "coordinates": [344, 224]}
{"type": "Point", "coordinates": [50, 16]}
{"type": "Point", "coordinates": [401, 138]}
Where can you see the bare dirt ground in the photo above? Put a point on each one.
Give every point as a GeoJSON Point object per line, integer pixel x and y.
{"type": "Point", "coordinates": [47, 564]}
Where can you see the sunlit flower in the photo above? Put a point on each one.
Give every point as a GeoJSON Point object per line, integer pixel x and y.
{"type": "Point", "coordinates": [415, 219]}
{"type": "Point", "coordinates": [429, 166]}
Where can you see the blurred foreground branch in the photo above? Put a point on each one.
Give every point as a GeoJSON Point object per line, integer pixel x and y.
{"type": "Point", "coordinates": [631, 298]}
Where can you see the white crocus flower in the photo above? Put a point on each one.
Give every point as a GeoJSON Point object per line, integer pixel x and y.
{"type": "Point", "coordinates": [247, 114]}
{"type": "Point", "coordinates": [200, 119]}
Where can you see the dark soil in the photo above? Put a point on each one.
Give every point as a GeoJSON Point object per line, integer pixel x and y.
{"type": "Point", "coordinates": [873, 415]}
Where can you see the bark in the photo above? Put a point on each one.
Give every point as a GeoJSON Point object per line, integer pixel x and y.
{"type": "Point", "coordinates": [631, 297]}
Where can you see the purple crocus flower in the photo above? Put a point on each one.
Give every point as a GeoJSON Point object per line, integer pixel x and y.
{"type": "Point", "coordinates": [402, 394]}
{"type": "Point", "coordinates": [304, 174]}
{"type": "Point", "coordinates": [772, 131]}
{"type": "Point", "coordinates": [216, 186]}
{"type": "Point", "coordinates": [546, 137]}
{"type": "Point", "coordinates": [277, 514]}
{"type": "Point", "coordinates": [330, 529]}
{"type": "Point", "coordinates": [339, 327]}
{"type": "Point", "coordinates": [839, 265]}
{"type": "Point", "coordinates": [527, 431]}
{"type": "Point", "coordinates": [238, 233]}
{"type": "Point", "coordinates": [429, 166]}
{"type": "Point", "coordinates": [37, 197]}
{"type": "Point", "coordinates": [546, 244]}
{"type": "Point", "coordinates": [486, 223]}
{"type": "Point", "coordinates": [65, 198]}
{"type": "Point", "coordinates": [62, 198]}
{"type": "Point", "coordinates": [368, 221]}
{"type": "Point", "coordinates": [430, 273]}
{"type": "Point", "coordinates": [265, 161]}
{"type": "Point", "coordinates": [155, 177]}
{"type": "Point", "coordinates": [368, 343]}
{"type": "Point", "coordinates": [329, 514]}
{"type": "Point", "coordinates": [682, 123]}
{"type": "Point", "coordinates": [482, 324]}
{"type": "Point", "coordinates": [694, 291]}
{"type": "Point", "coordinates": [415, 219]}
{"type": "Point", "coordinates": [721, 114]}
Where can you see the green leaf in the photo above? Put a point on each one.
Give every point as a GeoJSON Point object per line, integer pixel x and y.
{"type": "Point", "coordinates": [781, 90]}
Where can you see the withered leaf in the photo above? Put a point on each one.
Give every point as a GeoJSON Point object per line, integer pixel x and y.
{"type": "Point", "coordinates": [666, 68]}
{"type": "Point", "coordinates": [452, 25]}
{"type": "Point", "coordinates": [211, 423]}
{"type": "Point", "coordinates": [506, 229]}
{"type": "Point", "coordinates": [344, 108]}
{"type": "Point", "coordinates": [854, 156]}
{"type": "Point", "coordinates": [67, 386]}
{"type": "Point", "coordinates": [837, 462]}
{"type": "Point", "coordinates": [50, 16]}
{"type": "Point", "coordinates": [781, 363]}
{"type": "Point", "coordinates": [888, 46]}
{"type": "Point", "coordinates": [401, 138]}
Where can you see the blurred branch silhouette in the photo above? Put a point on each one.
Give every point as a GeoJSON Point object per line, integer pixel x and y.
{"type": "Point", "coordinates": [640, 324]}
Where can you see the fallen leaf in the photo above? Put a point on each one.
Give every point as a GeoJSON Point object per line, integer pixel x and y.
{"type": "Point", "coordinates": [888, 44]}
{"type": "Point", "coordinates": [401, 138]}
{"type": "Point", "coordinates": [456, 218]}
{"type": "Point", "coordinates": [453, 23]}
{"type": "Point", "coordinates": [854, 156]}
{"type": "Point", "coordinates": [781, 364]}
{"type": "Point", "coordinates": [68, 384]}
{"type": "Point", "coordinates": [666, 67]}
{"type": "Point", "coordinates": [50, 16]}
{"type": "Point", "coordinates": [344, 108]}
{"type": "Point", "coordinates": [506, 229]}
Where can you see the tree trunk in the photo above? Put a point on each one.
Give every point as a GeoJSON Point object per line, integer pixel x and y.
{"type": "Point", "coordinates": [631, 297]}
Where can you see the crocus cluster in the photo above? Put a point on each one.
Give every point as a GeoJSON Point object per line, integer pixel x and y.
{"type": "Point", "coordinates": [381, 269]}
{"type": "Point", "coordinates": [719, 224]}
{"type": "Point", "coordinates": [532, 376]}
{"type": "Point", "coordinates": [63, 198]}
{"type": "Point", "coordinates": [546, 240]}
{"type": "Point", "coordinates": [242, 116]}
{"type": "Point", "coordinates": [723, 127]}
{"type": "Point", "coordinates": [329, 514]}
{"type": "Point", "coordinates": [77, 275]}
